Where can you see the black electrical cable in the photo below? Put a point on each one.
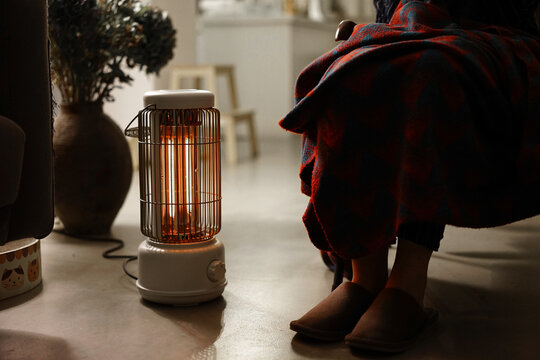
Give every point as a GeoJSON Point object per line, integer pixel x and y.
{"type": "Point", "coordinates": [107, 253]}
{"type": "Point", "coordinates": [338, 272]}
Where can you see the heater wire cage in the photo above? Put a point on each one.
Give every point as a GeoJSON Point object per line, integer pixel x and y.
{"type": "Point", "coordinates": [180, 174]}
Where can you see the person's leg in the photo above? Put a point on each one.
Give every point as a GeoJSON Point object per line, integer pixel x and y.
{"type": "Point", "coordinates": [371, 271]}
{"type": "Point", "coordinates": [337, 314]}
{"type": "Point", "coordinates": [416, 243]}
{"type": "Point", "coordinates": [409, 272]}
{"type": "Point", "coordinates": [397, 315]}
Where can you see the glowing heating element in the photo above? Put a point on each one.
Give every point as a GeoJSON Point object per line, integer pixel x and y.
{"type": "Point", "coordinates": [181, 187]}
{"type": "Point", "coordinates": [180, 184]}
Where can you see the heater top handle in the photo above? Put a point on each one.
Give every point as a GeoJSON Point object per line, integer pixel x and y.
{"type": "Point", "coordinates": [134, 131]}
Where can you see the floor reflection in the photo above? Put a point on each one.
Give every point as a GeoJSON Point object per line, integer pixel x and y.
{"type": "Point", "coordinates": [203, 323]}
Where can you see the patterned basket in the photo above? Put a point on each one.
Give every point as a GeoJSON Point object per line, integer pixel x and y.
{"type": "Point", "coordinates": [20, 267]}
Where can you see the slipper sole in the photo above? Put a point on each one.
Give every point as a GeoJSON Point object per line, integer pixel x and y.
{"type": "Point", "coordinates": [394, 347]}
{"type": "Point", "coordinates": [317, 334]}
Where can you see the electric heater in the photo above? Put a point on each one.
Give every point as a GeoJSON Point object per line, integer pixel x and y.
{"type": "Point", "coordinates": [181, 262]}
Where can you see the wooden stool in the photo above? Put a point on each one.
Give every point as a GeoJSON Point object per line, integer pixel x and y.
{"type": "Point", "coordinates": [229, 119]}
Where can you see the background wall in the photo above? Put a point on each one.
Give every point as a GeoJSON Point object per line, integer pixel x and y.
{"type": "Point", "coordinates": [302, 39]}
{"type": "Point", "coordinates": [267, 54]}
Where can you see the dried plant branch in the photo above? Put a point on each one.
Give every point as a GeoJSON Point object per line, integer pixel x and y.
{"type": "Point", "coordinates": [92, 41]}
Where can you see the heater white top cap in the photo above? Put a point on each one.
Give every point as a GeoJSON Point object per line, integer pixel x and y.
{"type": "Point", "coordinates": [179, 99]}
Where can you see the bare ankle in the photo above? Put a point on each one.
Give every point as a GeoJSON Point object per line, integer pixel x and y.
{"type": "Point", "coordinates": [371, 272]}
{"type": "Point", "coordinates": [414, 288]}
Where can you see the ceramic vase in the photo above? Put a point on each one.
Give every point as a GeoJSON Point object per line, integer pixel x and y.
{"type": "Point", "coordinates": [93, 169]}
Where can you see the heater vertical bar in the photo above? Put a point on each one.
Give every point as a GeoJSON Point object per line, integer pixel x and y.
{"type": "Point", "coordinates": [195, 162]}
{"type": "Point", "coordinates": [143, 175]}
{"type": "Point", "coordinates": [164, 179]}
{"type": "Point", "coordinates": [178, 169]}
{"type": "Point", "coordinates": [155, 141]}
{"type": "Point", "coordinates": [205, 175]}
{"type": "Point", "coordinates": [217, 173]}
{"type": "Point", "coordinates": [183, 186]}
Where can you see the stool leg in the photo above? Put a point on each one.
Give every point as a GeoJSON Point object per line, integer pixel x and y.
{"type": "Point", "coordinates": [230, 141]}
{"type": "Point", "coordinates": [253, 137]}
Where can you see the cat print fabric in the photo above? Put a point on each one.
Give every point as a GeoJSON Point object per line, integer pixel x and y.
{"type": "Point", "coordinates": [13, 279]}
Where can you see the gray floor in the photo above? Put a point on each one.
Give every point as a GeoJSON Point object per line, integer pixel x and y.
{"type": "Point", "coordinates": [485, 284]}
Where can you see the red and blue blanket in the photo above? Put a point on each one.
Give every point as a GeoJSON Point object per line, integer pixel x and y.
{"type": "Point", "coordinates": [422, 119]}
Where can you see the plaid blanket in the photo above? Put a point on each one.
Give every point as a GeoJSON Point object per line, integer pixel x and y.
{"type": "Point", "coordinates": [422, 119]}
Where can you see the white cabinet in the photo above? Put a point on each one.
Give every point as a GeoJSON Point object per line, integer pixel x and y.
{"type": "Point", "coordinates": [268, 54]}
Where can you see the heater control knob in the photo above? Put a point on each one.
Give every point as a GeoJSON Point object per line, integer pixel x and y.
{"type": "Point", "coordinates": [216, 270]}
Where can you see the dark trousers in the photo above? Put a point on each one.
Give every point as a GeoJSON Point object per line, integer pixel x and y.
{"type": "Point", "coordinates": [428, 235]}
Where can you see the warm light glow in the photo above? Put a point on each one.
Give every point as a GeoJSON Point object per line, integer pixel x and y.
{"type": "Point", "coordinates": [180, 182]}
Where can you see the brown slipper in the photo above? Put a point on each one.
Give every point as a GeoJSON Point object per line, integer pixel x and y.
{"type": "Point", "coordinates": [391, 324]}
{"type": "Point", "coordinates": [336, 315]}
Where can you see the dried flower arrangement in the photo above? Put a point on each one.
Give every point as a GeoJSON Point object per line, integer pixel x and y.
{"type": "Point", "coordinates": [92, 40]}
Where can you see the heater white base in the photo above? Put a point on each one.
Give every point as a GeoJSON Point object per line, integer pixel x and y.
{"type": "Point", "coordinates": [183, 274]}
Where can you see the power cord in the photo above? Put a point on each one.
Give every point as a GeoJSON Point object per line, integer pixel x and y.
{"type": "Point", "coordinates": [107, 253]}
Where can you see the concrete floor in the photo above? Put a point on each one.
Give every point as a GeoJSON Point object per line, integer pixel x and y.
{"type": "Point", "coordinates": [485, 284]}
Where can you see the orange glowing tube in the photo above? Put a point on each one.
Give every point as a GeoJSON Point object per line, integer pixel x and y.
{"type": "Point", "coordinates": [180, 184]}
